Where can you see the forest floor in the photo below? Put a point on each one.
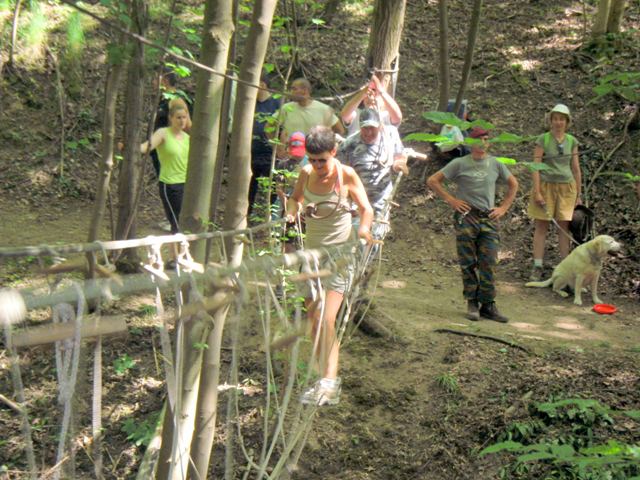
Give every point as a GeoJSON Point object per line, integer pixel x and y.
{"type": "Point", "coordinates": [422, 405]}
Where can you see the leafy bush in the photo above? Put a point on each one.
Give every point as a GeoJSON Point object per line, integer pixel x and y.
{"type": "Point", "coordinates": [559, 443]}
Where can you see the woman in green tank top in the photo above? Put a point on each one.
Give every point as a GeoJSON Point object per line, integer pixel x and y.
{"type": "Point", "coordinates": [172, 145]}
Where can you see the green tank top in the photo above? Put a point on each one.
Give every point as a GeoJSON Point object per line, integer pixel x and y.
{"type": "Point", "coordinates": [557, 157]}
{"type": "Point", "coordinates": [173, 154]}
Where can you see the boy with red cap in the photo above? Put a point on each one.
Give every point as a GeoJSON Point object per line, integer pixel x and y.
{"type": "Point", "coordinates": [477, 239]}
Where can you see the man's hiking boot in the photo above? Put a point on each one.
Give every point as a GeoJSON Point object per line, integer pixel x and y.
{"type": "Point", "coordinates": [325, 392]}
{"type": "Point", "coordinates": [490, 312]}
{"type": "Point", "coordinates": [537, 274]}
{"type": "Point", "coordinates": [473, 312]}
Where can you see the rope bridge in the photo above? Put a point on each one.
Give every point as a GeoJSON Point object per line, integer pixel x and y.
{"type": "Point", "coordinates": [264, 288]}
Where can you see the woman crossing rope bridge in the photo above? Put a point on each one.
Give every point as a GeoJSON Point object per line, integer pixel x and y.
{"type": "Point", "coordinates": [323, 187]}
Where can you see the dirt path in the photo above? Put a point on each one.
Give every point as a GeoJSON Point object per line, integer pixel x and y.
{"type": "Point", "coordinates": [395, 419]}
{"type": "Point", "coordinates": [419, 286]}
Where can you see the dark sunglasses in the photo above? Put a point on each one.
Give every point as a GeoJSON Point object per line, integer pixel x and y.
{"type": "Point", "coordinates": [319, 161]}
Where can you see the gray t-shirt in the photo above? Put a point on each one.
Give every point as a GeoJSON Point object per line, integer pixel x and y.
{"type": "Point", "coordinates": [476, 179]}
{"type": "Point", "coordinates": [373, 162]}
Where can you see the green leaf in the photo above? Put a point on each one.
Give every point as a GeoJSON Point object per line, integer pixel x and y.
{"type": "Point", "coordinates": [601, 90]}
{"type": "Point", "coordinates": [285, 48]}
{"type": "Point", "coordinates": [507, 160]}
{"type": "Point", "coordinates": [532, 457]}
{"type": "Point", "coordinates": [509, 445]}
{"type": "Point", "coordinates": [562, 452]}
{"type": "Point", "coordinates": [269, 67]}
{"type": "Point", "coordinates": [446, 118]}
{"type": "Point", "coordinates": [535, 166]}
{"type": "Point", "coordinates": [425, 137]}
{"type": "Point", "coordinates": [482, 124]}
{"type": "Point", "coordinates": [635, 414]}
{"type": "Point", "coordinates": [318, 21]}
{"type": "Point", "coordinates": [508, 138]}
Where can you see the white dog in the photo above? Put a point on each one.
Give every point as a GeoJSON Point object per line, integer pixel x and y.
{"type": "Point", "coordinates": [582, 266]}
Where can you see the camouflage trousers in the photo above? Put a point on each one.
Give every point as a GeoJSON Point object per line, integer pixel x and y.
{"type": "Point", "coordinates": [477, 243]}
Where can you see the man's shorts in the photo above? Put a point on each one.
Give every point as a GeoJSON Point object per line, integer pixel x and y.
{"type": "Point", "coordinates": [560, 200]}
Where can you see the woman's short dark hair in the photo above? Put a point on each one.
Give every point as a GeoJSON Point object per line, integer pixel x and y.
{"type": "Point", "coordinates": [320, 139]}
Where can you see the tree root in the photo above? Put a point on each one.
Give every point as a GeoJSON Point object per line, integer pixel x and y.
{"type": "Point", "coordinates": [485, 337]}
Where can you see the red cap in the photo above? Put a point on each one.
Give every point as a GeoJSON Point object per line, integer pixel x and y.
{"type": "Point", "coordinates": [477, 132]}
{"type": "Point", "coordinates": [297, 145]}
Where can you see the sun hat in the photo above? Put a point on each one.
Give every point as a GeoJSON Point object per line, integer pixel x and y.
{"type": "Point", "coordinates": [561, 108]}
{"type": "Point", "coordinates": [369, 118]}
{"type": "Point", "coordinates": [297, 144]}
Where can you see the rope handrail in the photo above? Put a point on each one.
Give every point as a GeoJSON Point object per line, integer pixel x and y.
{"type": "Point", "coordinates": [100, 246]}
{"type": "Point", "coordinates": [130, 284]}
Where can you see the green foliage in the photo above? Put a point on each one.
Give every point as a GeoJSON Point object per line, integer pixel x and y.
{"type": "Point", "coordinates": [140, 433]}
{"type": "Point", "coordinates": [75, 36]}
{"type": "Point", "coordinates": [559, 442]}
{"type": "Point", "coordinates": [35, 31]}
{"type": "Point", "coordinates": [449, 383]}
{"type": "Point", "coordinates": [147, 310]}
{"type": "Point", "coordinates": [624, 84]}
{"type": "Point", "coordinates": [180, 70]}
{"type": "Point", "coordinates": [123, 364]}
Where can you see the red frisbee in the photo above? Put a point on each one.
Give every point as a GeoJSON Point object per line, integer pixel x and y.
{"type": "Point", "coordinates": [604, 308]}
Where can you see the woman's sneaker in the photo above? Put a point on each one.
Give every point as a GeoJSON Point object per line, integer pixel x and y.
{"type": "Point", "coordinates": [324, 392]}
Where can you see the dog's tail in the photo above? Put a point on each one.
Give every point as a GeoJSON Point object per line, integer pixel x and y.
{"type": "Point", "coordinates": [545, 283]}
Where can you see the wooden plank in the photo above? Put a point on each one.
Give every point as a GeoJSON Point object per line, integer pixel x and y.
{"type": "Point", "coordinates": [92, 326]}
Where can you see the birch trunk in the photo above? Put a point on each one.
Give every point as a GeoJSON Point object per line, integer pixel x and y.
{"type": "Point", "coordinates": [236, 207]}
{"type": "Point", "coordinates": [178, 425]}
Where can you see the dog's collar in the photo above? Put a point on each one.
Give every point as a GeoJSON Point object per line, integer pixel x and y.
{"type": "Point", "coordinates": [594, 258]}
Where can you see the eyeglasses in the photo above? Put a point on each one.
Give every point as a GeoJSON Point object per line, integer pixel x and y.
{"type": "Point", "coordinates": [319, 161]}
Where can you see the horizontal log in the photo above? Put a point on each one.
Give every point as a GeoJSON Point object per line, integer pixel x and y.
{"type": "Point", "coordinates": [304, 276]}
{"type": "Point", "coordinates": [92, 326]}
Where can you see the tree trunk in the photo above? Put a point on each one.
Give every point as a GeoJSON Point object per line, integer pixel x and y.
{"type": "Point", "coordinates": [444, 55]}
{"type": "Point", "coordinates": [236, 207]}
{"type": "Point", "coordinates": [223, 137]}
{"type": "Point", "coordinates": [218, 28]}
{"type": "Point", "coordinates": [468, 58]}
{"type": "Point", "coordinates": [602, 16]}
{"type": "Point", "coordinates": [330, 10]}
{"type": "Point", "coordinates": [206, 122]}
{"type": "Point", "coordinates": [384, 41]}
{"type": "Point", "coordinates": [130, 172]}
{"type": "Point", "coordinates": [114, 75]}
{"type": "Point", "coordinates": [616, 12]}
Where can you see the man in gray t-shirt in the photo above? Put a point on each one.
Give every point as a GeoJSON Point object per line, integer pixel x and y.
{"type": "Point", "coordinates": [477, 239]}
{"type": "Point", "coordinates": [374, 152]}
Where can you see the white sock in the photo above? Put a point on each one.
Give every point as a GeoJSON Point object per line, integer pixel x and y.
{"type": "Point", "coordinates": [330, 382]}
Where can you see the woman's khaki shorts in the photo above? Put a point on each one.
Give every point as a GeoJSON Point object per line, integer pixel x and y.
{"type": "Point", "coordinates": [560, 199]}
